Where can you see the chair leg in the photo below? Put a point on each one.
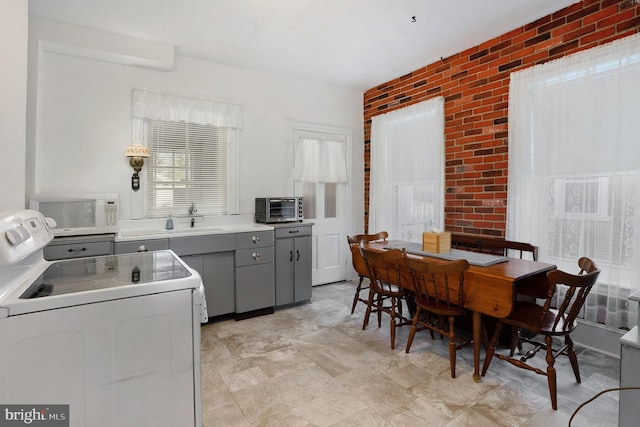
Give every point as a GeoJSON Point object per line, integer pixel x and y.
{"type": "Point", "coordinates": [392, 323]}
{"type": "Point", "coordinates": [551, 372]}
{"type": "Point", "coordinates": [412, 331]}
{"type": "Point", "coordinates": [379, 305]}
{"type": "Point", "coordinates": [572, 357]}
{"type": "Point", "coordinates": [491, 349]}
{"type": "Point", "coordinates": [367, 313]}
{"type": "Point", "coordinates": [357, 295]}
{"type": "Point", "coordinates": [452, 346]}
{"type": "Point", "coordinates": [515, 341]}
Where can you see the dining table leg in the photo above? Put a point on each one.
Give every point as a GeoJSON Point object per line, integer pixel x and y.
{"type": "Point", "coordinates": [477, 319]}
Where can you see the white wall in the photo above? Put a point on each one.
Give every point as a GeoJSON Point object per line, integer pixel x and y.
{"type": "Point", "coordinates": [13, 101]}
{"type": "Point", "coordinates": [80, 121]}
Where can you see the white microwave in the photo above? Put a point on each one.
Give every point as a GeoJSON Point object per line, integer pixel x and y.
{"type": "Point", "coordinates": [78, 214]}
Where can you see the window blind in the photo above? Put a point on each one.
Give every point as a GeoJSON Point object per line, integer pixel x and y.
{"type": "Point", "coordinates": [188, 163]}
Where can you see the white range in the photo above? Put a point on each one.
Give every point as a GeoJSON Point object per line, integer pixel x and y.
{"type": "Point", "coordinates": [115, 337]}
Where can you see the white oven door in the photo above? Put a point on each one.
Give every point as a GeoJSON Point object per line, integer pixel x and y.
{"type": "Point", "coordinates": [127, 362]}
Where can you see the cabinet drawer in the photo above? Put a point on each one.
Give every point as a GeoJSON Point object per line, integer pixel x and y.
{"type": "Point", "coordinates": [149, 245]}
{"type": "Point", "coordinates": [77, 250]}
{"type": "Point", "coordinates": [254, 256]}
{"type": "Point", "coordinates": [205, 244]}
{"type": "Point", "coordinates": [257, 239]}
{"type": "Point", "coordinates": [283, 232]}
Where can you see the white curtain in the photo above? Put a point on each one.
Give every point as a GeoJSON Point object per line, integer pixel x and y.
{"type": "Point", "coordinates": [574, 169]}
{"type": "Point", "coordinates": [406, 194]}
{"type": "Point", "coordinates": [150, 104]}
{"type": "Point", "coordinates": [319, 161]}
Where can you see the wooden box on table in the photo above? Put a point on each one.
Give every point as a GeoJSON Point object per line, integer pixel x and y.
{"type": "Point", "coordinates": [436, 243]}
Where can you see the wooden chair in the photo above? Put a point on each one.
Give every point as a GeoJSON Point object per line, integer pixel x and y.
{"type": "Point", "coordinates": [385, 285]}
{"type": "Point", "coordinates": [439, 293]}
{"type": "Point", "coordinates": [358, 262]}
{"type": "Point", "coordinates": [550, 322]}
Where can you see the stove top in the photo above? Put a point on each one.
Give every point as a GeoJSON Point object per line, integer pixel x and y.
{"type": "Point", "coordinates": [89, 274]}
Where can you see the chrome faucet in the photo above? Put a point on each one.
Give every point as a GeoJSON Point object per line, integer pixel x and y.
{"type": "Point", "coordinates": [192, 210]}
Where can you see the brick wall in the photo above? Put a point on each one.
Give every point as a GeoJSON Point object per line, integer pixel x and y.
{"type": "Point", "coordinates": [475, 86]}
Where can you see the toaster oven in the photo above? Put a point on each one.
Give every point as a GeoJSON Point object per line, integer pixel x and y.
{"type": "Point", "coordinates": [271, 210]}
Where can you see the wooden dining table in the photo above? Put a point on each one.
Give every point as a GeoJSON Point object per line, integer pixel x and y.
{"type": "Point", "coordinates": [490, 290]}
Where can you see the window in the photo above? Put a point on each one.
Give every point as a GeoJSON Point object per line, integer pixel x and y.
{"type": "Point", "coordinates": [193, 145]}
{"type": "Point", "coordinates": [188, 163]}
{"type": "Point", "coordinates": [574, 179]}
{"type": "Point", "coordinates": [407, 171]}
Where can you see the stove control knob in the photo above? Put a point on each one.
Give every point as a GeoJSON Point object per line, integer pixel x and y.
{"type": "Point", "coordinates": [51, 223]}
{"type": "Point", "coordinates": [14, 237]}
{"type": "Point", "coordinates": [23, 232]}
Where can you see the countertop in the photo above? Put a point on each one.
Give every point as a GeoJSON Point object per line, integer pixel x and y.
{"type": "Point", "coordinates": [130, 230]}
{"type": "Point", "coordinates": [155, 229]}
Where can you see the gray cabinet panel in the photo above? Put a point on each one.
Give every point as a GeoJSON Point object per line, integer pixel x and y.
{"type": "Point", "coordinates": [255, 256]}
{"type": "Point", "coordinates": [285, 255]}
{"type": "Point", "coordinates": [302, 282]}
{"type": "Point", "coordinates": [256, 239]}
{"type": "Point", "coordinates": [301, 230]}
{"type": "Point", "coordinates": [134, 246]}
{"type": "Point", "coordinates": [254, 288]}
{"type": "Point", "coordinates": [77, 250]}
{"type": "Point", "coordinates": [79, 246]}
{"type": "Point", "coordinates": [293, 264]}
{"type": "Point", "coordinates": [202, 244]}
{"type": "Point", "coordinates": [219, 285]}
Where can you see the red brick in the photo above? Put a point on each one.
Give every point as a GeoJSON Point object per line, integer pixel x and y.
{"type": "Point", "coordinates": [598, 35]}
{"type": "Point", "coordinates": [619, 17]}
{"type": "Point", "coordinates": [631, 23]}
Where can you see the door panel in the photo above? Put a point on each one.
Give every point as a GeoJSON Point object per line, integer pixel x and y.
{"type": "Point", "coordinates": [327, 206]}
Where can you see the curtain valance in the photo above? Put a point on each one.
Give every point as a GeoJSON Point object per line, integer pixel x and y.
{"type": "Point", "coordinates": [149, 104]}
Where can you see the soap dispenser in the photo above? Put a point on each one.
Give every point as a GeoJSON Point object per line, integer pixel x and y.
{"type": "Point", "coordinates": [169, 225]}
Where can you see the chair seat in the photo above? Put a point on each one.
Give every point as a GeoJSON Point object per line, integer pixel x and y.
{"type": "Point", "coordinates": [440, 308]}
{"type": "Point", "coordinates": [393, 291]}
{"type": "Point", "coordinates": [525, 314]}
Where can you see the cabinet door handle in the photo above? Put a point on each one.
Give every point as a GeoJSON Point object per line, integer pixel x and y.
{"type": "Point", "coordinates": [255, 256]}
{"type": "Point", "coordinates": [71, 250]}
{"type": "Point", "coordinates": [297, 255]}
{"type": "Point", "coordinates": [142, 248]}
{"type": "Point", "coordinates": [294, 231]}
{"type": "Point", "coordinates": [255, 239]}
{"type": "Point", "coordinates": [290, 256]}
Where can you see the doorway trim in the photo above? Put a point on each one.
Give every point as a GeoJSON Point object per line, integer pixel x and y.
{"type": "Point", "coordinates": [293, 127]}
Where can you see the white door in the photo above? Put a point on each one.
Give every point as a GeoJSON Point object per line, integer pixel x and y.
{"type": "Point", "coordinates": [326, 204]}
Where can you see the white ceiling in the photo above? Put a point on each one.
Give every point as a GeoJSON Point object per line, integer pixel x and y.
{"type": "Point", "coordinates": [354, 43]}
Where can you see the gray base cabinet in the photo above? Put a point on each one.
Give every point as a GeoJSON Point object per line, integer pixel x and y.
{"type": "Point", "coordinates": [293, 264]}
{"type": "Point", "coordinates": [216, 270]}
{"type": "Point", "coordinates": [212, 257]}
{"type": "Point", "coordinates": [255, 288]}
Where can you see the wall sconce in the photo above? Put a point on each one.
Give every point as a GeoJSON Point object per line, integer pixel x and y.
{"type": "Point", "coordinates": [136, 154]}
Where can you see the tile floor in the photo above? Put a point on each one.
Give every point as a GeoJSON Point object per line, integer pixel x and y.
{"type": "Point", "coordinates": [313, 365]}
